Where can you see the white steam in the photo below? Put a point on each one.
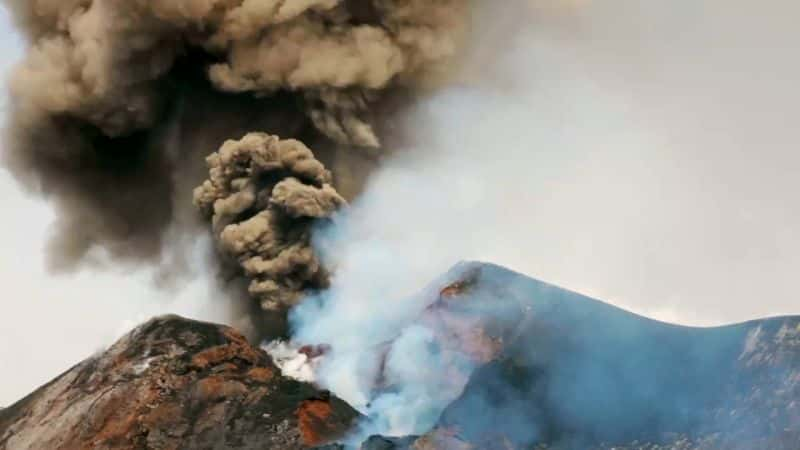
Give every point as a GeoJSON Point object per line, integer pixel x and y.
{"type": "Point", "coordinates": [291, 361]}
{"type": "Point", "coordinates": [641, 153]}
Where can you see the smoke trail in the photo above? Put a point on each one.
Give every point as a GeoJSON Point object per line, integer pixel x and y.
{"type": "Point", "coordinates": [392, 356]}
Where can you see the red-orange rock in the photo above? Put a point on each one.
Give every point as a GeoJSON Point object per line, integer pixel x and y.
{"type": "Point", "coordinates": [174, 383]}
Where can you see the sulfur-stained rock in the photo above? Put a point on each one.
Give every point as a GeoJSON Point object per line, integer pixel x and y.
{"type": "Point", "coordinates": [174, 383]}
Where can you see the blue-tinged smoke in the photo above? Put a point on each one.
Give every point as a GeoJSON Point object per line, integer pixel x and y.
{"type": "Point", "coordinates": [552, 155]}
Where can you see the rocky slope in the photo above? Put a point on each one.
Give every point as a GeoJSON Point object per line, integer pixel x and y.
{"type": "Point", "coordinates": [532, 366]}
{"type": "Point", "coordinates": [556, 369]}
{"type": "Point", "coordinates": [174, 383]}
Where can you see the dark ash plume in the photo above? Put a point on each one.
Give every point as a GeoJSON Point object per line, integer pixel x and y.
{"type": "Point", "coordinates": [111, 92]}
{"type": "Point", "coordinates": [262, 196]}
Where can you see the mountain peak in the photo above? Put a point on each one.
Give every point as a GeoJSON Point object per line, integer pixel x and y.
{"type": "Point", "coordinates": [175, 383]}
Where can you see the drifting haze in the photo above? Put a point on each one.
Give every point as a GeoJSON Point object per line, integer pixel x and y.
{"type": "Point", "coordinates": [643, 162]}
{"type": "Point", "coordinates": [642, 153]}
{"type": "Point", "coordinates": [568, 156]}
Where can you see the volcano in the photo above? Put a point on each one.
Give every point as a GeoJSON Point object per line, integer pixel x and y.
{"type": "Point", "coordinates": [561, 370]}
{"type": "Point", "coordinates": [550, 369]}
{"type": "Point", "coordinates": [175, 383]}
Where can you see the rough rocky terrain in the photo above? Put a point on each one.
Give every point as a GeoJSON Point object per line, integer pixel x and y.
{"type": "Point", "coordinates": [174, 383]}
{"type": "Point", "coordinates": [558, 370]}
{"type": "Point", "coordinates": [550, 369]}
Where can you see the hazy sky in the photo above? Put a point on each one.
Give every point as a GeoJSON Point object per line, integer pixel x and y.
{"type": "Point", "coordinates": [674, 193]}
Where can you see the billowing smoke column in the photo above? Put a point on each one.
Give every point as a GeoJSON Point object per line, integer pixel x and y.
{"type": "Point", "coordinates": [117, 103]}
{"type": "Point", "coordinates": [262, 196]}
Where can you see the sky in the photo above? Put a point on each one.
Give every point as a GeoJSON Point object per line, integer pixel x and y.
{"type": "Point", "coordinates": [673, 192]}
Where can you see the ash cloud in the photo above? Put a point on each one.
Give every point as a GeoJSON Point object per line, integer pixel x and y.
{"type": "Point", "coordinates": [115, 102]}
{"type": "Point", "coordinates": [102, 61]}
{"type": "Point", "coordinates": [262, 196]}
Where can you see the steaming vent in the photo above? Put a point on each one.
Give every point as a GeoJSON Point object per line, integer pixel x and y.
{"type": "Point", "coordinates": [427, 362]}
{"type": "Point", "coordinates": [297, 362]}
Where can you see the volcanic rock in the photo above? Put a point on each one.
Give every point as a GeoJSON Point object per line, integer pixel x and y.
{"type": "Point", "coordinates": [174, 383]}
{"type": "Point", "coordinates": [533, 366]}
{"type": "Point", "coordinates": [555, 369]}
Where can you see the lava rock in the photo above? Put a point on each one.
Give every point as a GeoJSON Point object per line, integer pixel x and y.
{"type": "Point", "coordinates": [556, 369]}
{"type": "Point", "coordinates": [174, 383]}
